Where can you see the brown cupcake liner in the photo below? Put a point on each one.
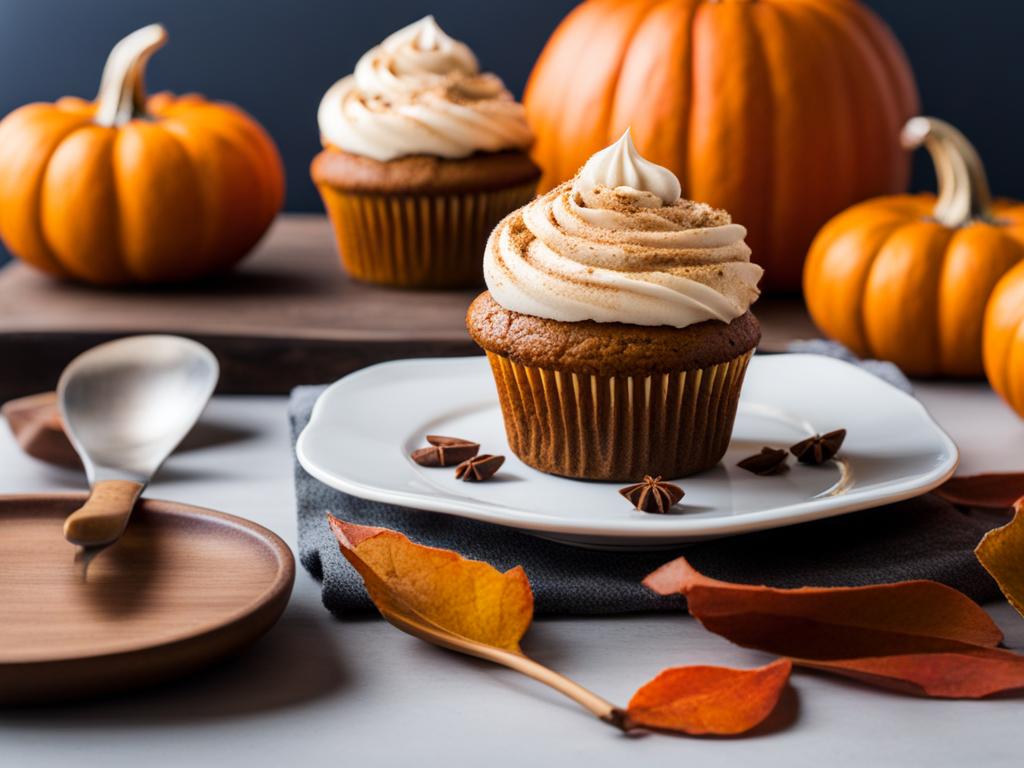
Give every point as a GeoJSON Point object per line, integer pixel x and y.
{"type": "Point", "coordinates": [619, 427]}
{"type": "Point", "coordinates": [418, 240]}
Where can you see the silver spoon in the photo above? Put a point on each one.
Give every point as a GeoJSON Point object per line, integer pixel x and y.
{"type": "Point", "coordinates": [126, 405]}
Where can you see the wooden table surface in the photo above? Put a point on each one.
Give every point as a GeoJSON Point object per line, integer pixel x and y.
{"type": "Point", "coordinates": [287, 316]}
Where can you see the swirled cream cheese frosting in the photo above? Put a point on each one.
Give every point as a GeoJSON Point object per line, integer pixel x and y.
{"type": "Point", "coordinates": [421, 93]}
{"type": "Point", "coordinates": [617, 244]}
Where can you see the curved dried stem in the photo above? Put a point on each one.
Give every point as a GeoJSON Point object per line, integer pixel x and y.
{"type": "Point", "coordinates": [587, 699]}
{"type": "Point", "coordinates": [964, 194]}
{"type": "Point", "coordinates": [122, 92]}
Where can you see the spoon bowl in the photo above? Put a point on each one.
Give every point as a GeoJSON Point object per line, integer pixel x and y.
{"type": "Point", "coordinates": [126, 405]}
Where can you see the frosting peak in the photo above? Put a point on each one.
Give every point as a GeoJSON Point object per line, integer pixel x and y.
{"type": "Point", "coordinates": [413, 59]}
{"type": "Point", "coordinates": [621, 165]}
{"type": "Point", "coordinates": [429, 35]}
{"type": "Point", "coordinates": [421, 92]}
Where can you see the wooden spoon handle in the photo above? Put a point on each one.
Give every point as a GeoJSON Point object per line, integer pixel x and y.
{"type": "Point", "coordinates": [103, 517]}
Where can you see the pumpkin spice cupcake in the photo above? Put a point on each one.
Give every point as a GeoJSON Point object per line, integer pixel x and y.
{"type": "Point", "coordinates": [423, 155]}
{"type": "Point", "coordinates": [617, 323]}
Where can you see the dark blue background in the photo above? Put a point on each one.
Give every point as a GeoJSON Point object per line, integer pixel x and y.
{"type": "Point", "coordinates": [275, 58]}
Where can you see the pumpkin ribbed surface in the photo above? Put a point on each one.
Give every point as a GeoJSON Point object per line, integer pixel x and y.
{"type": "Point", "coordinates": [1004, 339]}
{"type": "Point", "coordinates": [171, 198]}
{"type": "Point", "coordinates": [889, 282]}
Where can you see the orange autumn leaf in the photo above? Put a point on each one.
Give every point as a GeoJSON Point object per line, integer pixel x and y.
{"type": "Point", "coordinates": [464, 605]}
{"type": "Point", "coordinates": [1001, 551]}
{"type": "Point", "coordinates": [438, 588]}
{"type": "Point", "coordinates": [990, 491]}
{"type": "Point", "coordinates": [967, 674]}
{"type": "Point", "coordinates": [831, 622]}
{"type": "Point", "coordinates": [709, 700]}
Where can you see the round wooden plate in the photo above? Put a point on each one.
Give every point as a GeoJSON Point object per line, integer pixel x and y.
{"type": "Point", "coordinates": [183, 587]}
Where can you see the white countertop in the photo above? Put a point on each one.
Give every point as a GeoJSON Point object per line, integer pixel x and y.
{"type": "Point", "coordinates": [360, 692]}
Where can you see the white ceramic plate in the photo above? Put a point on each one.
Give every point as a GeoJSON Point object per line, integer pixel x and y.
{"type": "Point", "coordinates": [365, 425]}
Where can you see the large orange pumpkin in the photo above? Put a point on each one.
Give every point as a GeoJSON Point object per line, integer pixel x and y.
{"type": "Point", "coordinates": [783, 112]}
{"type": "Point", "coordinates": [906, 278]}
{"type": "Point", "coordinates": [1004, 338]}
{"type": "Point", "coordinates": [127, 189]}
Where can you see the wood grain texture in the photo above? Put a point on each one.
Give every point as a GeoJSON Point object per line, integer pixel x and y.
{"type": "Point", "coordinates": [182, 588]}
{"type": "Point", "coordinates": [287, 316]}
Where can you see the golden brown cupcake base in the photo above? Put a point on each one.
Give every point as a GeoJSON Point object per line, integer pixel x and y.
{"type": "Point", "coordinates": [607, 349]}
{"type": "Point", "coordinates": [610, 401]}
{"type": "Point", "coordinates": [419, 222]}
{"type": "Point", "coordinates": [423, 174]}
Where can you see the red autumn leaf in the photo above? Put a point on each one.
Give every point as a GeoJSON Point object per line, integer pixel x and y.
{"type": "Point", "coordinates": [709, 700]}
{"type": "Point", "coordinates": [831, 622]}
{"type": "Point", "coordinates": [991, 491]}
{"type": "Point", "coordinates": [915, 636]}
{"type": "Point", "coordinates": [967, 674]}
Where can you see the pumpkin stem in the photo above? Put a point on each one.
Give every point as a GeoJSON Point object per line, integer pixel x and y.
{"type": "Point", "coordinates": [122, 93]}
{"type": "Point", "coordinates": [963, 187]}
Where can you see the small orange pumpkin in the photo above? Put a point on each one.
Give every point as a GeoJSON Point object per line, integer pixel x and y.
{"type": "Point", "coordinates": [130, 189]}
{"type": "Point", "coordinates": [1004, 338]}
{"type": "Point", "coordinates": [906, 278]}
{"type": "Point", "coordinates": [782, 112]}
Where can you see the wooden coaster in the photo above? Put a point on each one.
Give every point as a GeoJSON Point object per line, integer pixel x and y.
{"type": "Point", "coordinates": [184, 587]}
{"type": "Point", "coordinates": [36, 424]}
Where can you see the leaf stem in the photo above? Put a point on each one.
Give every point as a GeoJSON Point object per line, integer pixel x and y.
{"type": "Point", "coordinates": [514, 660]}
{"type": "Point", "coordinates": [590, 701]}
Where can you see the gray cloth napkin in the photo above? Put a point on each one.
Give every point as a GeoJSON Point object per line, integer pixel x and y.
{"type": "Point", "coordinates": [924, 538]}
{"type": "Point", "coordinates": [883, 369]}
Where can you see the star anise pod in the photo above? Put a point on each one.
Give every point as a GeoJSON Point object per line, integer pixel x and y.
{"type": "Point", "coordinates": [445, 451]}
{"type": "Point", "coordinates": [770, 461]}
{"type": "Point", "coordinates": [818, 449]}
{"type": "Point", "coordinates": [479, 468]}
{"type": "Point", "coordinates": [653, 495]}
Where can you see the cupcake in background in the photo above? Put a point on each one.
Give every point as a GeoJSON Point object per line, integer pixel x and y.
{"type": "Point", "coordinates": [617, 323]}
{"type": "Point", "coordinates": [423, 155]}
